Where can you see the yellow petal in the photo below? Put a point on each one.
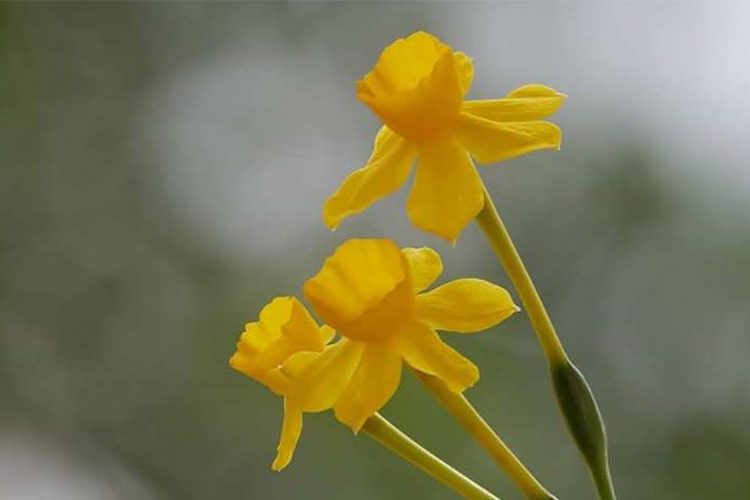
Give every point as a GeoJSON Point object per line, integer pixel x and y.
{"type": "Point", "coordinates": [363, 290]}
{"type": "Point", "coordinates": [530, 102]}
{"type": "Point", "coordinates": [534, 90]}
{"type": "Point", "coordinates": [327, 333]}
{"type": "Point", "coordinates": [384, 141]}
{"type": "Point", "coordinates": [372, 385]}
{"type": "Point", "coordinates": [423, 349]}
{"type": "Point", "coordinates": [280, 379]}
{"type": "Point", "coordinates": [318, 386]}
{"type": "Point", "coordinates": [447, 192]}
{"type": "Point", "coordinates": [291, 429]}
{"type": "Point", "coordinates": [297, 362]}
{"type": "Point", "coordinates": [465, 305]}
{"type": "Point", "coordinates": [277, 381]}
{"type": "Point", "coordinates": [490, 142]}
{"type": "Point", "coordinates": [386, 171]}
{"type": "Point", "coordinates": [425, 266]}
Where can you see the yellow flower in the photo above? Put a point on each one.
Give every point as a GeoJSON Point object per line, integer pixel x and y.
{"type": "Point", "coordinates": [372, 294]}
{"type": "Point", "coordinates": [274, 350]}
{"type": "Point", "coordinates": [417, 88]}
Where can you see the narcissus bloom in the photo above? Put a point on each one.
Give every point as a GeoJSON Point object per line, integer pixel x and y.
{"type": "Point", "coordinates": [372, 294]}
{"type": "Point", "coordinates": [417, 89]}
{"type": "Point", "coordinates": [274, 351]}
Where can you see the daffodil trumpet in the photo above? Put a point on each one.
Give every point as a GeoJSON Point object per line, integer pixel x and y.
{"type": "Point", "coordinates": [472, 421]}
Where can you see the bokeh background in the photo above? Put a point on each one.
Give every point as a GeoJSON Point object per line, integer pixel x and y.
{"type": "Point", "coordinates": [162, 168]}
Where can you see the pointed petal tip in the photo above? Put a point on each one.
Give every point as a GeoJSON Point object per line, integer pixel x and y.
{"type": "Point", "coordinates": [353, 422]}
{"type": "Point", "coordinates": [331, 225]}
{"type": "Point", "coordinates": [279, 463]}
{"type": "Point", "coordinates": [448, 235]}
{"type": "Point", "coordinates": [329, 220]}
{"type": "Point", "coordinates": [460, 388]}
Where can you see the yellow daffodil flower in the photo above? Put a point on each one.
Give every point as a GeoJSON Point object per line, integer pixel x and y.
{"type": "Point", "coordinates": [417, 89]}
{"type": "Point", "coordinates": [274, 351]}
{"type": "Point", "coordinates": [372, 294]}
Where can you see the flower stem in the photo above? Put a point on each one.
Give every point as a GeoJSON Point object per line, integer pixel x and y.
{"type": "Point", "coordinates": [470, 419]}
{"type": "Point", "coordinates": [573, 393]}
{"type": "Point", "coordinates": [385, 433]}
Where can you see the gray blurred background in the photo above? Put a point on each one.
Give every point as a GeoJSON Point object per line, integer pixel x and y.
{"type": "Point", "coordinates": [162, 168]}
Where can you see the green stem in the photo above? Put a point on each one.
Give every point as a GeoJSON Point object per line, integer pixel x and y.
{"type": "Point", "coordinates": [493, 227]}
{"type": "Point", "coordinates": [389, 436]}
{"type": "Point", "coordinates": [470, 419]}
{"type": "Point", "coordinates": [573, 393]}
{"type": "Point", "coordinates": [604, 487]}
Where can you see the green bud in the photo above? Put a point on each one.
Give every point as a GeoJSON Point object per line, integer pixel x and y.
{"type": "Point", "coordinates": [585, 423]}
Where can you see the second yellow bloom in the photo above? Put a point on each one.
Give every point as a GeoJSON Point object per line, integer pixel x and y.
{"type": "Point", "coordinates": [371, 293]}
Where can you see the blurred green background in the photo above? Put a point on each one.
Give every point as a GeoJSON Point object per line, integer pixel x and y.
{"type": "Point", "coordinates": [162, 168]}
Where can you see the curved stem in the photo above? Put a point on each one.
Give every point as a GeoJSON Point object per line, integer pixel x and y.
{"type": "Point", "coordinates": [604, 487]}
{"type": "Point", "coordinates": [574, 396]}
{"type": "Point", "coordinates": [470, 419]}
{"type": "Point", "coordinates": [493, 227]}
{"type": "Point", "coordinates": [389, 436]}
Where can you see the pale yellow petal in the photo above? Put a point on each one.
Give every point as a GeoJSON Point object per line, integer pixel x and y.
{"type": "Point", "coordinates": [318, 386]}
{"type": "Point", "coordinates": [387, 170]}
{"type": "Point", "coordinates": [423, 349]}
{"type": "Point", "coordinates": [490, 142]}
{"type": "Point", "coordinates": [465, 305]}
{"type": "Point", "coordinates": [291, 429]}
{"type": "Point", "coordinates": [447, 192]}
{"type": "Point", "coordinates": [530, 102]}
{"type": "Point", "coordinates": [425, 266]}
{"type": "Point", "coordinates": [372, 385]}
